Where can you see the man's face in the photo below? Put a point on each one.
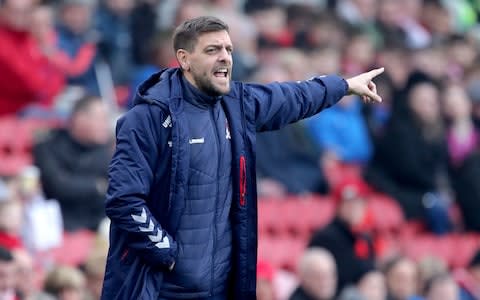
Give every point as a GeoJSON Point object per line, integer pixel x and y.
{"type": "Point", "coordinates": [209, 66]}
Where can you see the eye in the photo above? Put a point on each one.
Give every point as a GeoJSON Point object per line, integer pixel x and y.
{"type": "Point", "coordinates": [211, 50]}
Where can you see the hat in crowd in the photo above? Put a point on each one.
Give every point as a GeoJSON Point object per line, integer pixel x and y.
{"type": "Point", "coordinates": [350, 188]}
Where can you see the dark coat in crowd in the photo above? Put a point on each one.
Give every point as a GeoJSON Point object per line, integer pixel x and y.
{"type": "Point", "coordinates": [289, 157]}
{"type": "Point", "coordinates": [405, 165]}
{"type": "Point", "coordinates": [353, 252]}
{"type": "Point", "coordinates": [76, 175]}
{"type": "Point", "coordinates": [465, 181]}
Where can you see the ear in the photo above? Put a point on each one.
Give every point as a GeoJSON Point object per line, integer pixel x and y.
{"type": "Point", "coordinates": [183, 57]}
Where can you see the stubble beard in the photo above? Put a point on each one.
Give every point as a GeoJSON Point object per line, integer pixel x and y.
{"type": "Point", "coordinates": [206, 85]}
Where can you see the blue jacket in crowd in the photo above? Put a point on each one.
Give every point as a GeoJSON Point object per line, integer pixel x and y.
{"type": "Point", "coordinates": [172, 236]}
{"type": "Point", "coordinates": [343, 130]}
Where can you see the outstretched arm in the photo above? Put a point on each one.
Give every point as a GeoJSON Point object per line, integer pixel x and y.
{"type": "Point", "coordinates": [278, 104]}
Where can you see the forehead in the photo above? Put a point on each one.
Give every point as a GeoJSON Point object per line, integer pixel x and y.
{"type": "Point", "coordinates": [214, 38]}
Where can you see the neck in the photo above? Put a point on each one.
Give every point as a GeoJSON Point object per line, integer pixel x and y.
{"type": "Point", "coordinates": [196, 96]}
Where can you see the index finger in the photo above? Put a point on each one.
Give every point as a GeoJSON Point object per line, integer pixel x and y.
{"type": "Point", "coordinates": [375, 72]}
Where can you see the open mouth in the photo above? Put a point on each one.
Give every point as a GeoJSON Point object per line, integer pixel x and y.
{"type": "Point", "coordinates": [221, 73]}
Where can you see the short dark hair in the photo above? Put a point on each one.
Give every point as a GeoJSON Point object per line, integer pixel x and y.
{"type": "Point", "coordinates": [186, 34]}
{"type": "Point", "coordinates": [84, 103]}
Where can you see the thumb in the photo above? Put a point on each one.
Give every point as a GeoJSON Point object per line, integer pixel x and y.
{"type": "Point", "coordinates": [375, 72]}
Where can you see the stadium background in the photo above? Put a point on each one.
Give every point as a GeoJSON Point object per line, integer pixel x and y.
{"type": "Point", "coordinates": [118, 43]}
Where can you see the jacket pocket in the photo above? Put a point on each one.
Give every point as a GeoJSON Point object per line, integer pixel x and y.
{"type": "Point", "coordinates": [243, 181]}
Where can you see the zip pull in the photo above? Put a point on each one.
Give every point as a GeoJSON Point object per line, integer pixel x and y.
{"type": "Point", "coordinates": [243, 181]}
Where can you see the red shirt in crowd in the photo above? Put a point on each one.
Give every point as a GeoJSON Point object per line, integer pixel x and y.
{"type": "Point", "coordinates": [26, 75]}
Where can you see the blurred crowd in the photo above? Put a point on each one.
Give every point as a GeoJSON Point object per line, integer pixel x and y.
{"type": "Point", "coordinates": [74, 66]}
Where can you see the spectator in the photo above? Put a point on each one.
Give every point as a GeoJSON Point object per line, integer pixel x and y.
{"type": "Point", "coordinates": [402, 278]}
{"type": "Point", "coordinates": [28, 277]}
{"type": "Point", "coordinates": [113, 23]}
{"type": "Point", "coordinates": [75, 35]}
{"type": "Point", "coordinates": [441, 287]}
{"type": "Point", "coordinates": [429, 267]}
{"type": "Point", "coordinates": [63, 64]}
{"type": "Point", "coordinates": [411, 157]}
{"type": "Point", "coordinates": [341, 132]}
{"type": "Point", "coordinates": [143, 28]}
{"type": "Point", "coordinates": [94, 273]}
{"type": "Point", "coordinates": [463, 143]}
{"type": "Point", "coordinates": [65, 283]}
{"type": "Point", "coordinates": [73, 163]}
{"type": "Point", "coordinates": [371, 286]}
{"type": "Point", "coordinates": [317, 276]}
{"type": "Point", "coordinates": [351, 246]}
{"type": "Point", "coordinates": [158, 56]}
{"type": "Point", "coordinates": [42, 227]}
{"type": "Point", "coordinates": [287, 161]}
{"type": "Point", "coordinates": [22, 80]}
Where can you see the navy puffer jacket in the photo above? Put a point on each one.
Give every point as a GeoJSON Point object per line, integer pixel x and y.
{"type": "Point", "coordinates": [148, 183]}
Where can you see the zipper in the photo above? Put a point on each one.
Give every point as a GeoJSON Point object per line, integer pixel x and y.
{"type": "Point", "coordinates": [217, 140]}
{"type": "Point", "coordinates": [243, 180]}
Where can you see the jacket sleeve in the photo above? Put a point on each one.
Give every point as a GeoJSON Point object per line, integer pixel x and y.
{"type": "Point", "coordinates": [131, 175]}
{"type": "Point", "coordinates": [278, 104]}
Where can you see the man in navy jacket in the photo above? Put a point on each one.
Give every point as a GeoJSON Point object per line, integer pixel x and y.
{"type": "Point", "coordinates": [182, 194]}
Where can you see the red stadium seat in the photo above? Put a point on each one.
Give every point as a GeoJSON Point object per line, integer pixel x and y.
{"type": "Point", "coordinates": [386, 214]}
{"type": "Point", "coordinates": [11, 165]}
{"type": "Point", "coordinates": [282, 253]}
{"type": "Point", "coordinates": [464, 247]}
{"type": "Point", "coordinates": [75, 248]}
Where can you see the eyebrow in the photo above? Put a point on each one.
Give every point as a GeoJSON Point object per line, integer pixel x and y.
{"type": "Point", "coordinates": [218, 46]}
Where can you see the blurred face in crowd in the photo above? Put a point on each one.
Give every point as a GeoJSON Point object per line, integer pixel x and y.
{"type": "Point", "coordinates": [16, 14]}
{"type": "Point", "coordinates": [318, 276]}
{"type": "Point", "coordinates": [366, 8]}
{"type": "Point", "coordinates": [42, 23]}
{"type": "Point", "coordinates": [361, 51]}
{"type": "Point", "coordinates": [390, 12]}
{"type": "Point", "coordinates": [443, 289]}
{"type": "Point", "coordinates": [457, 105]}
{"type": "Point", "coordinates": [91, 125]}
{"type": "Point", "coordinates": [77, 17]}
{"type": "Point", "coordinates": [120, 7]}
{"type": "Point", "coordinates": [352, 209]}
{"type": "Point", "coordinates": [372, 286]}
{"type": "Point", "coordinates": [325, 61]}
{"type": "Point", "coordinates": [209, 65]}
{"type": "Point", "coordinates": [424, 103]}
{"type": "Point", "coordinates": [402, 279]}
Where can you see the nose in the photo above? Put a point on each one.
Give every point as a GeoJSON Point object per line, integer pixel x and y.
{"type": "Point", "coordinates": [225, 56]}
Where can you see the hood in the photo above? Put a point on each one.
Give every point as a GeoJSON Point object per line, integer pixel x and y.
{"type": "Point", "coordinates": [159, 88]}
